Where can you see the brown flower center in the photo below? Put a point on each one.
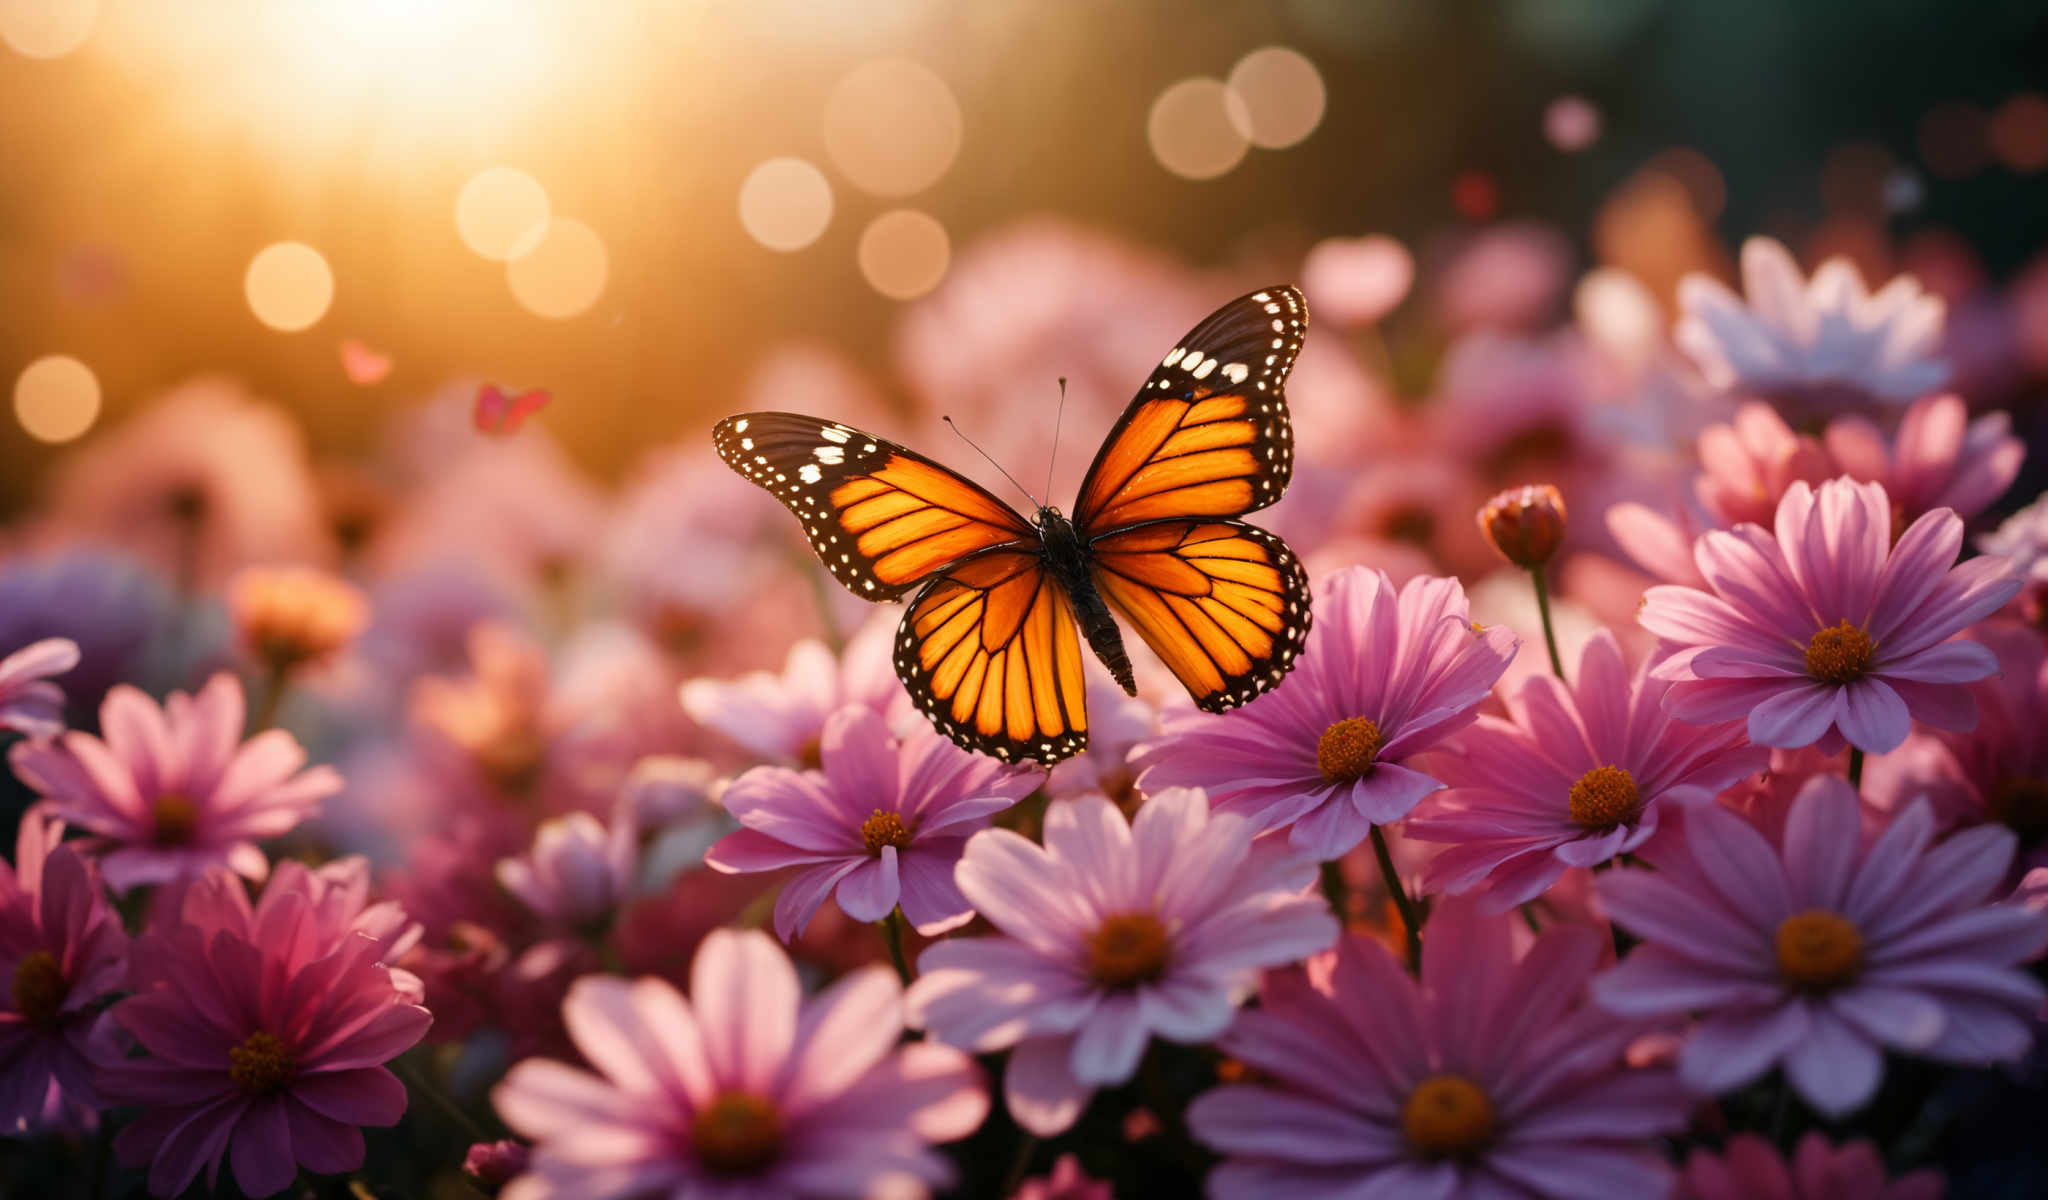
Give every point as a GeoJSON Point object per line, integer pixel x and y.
{"type": "Point", "coordinates": [1127, 950]}
{"type": "Point", "coordinates": [1447, 1116]}
{"type": "Point", "coordinates": [2020, 804]}
{"type": "Point", "coordinates": [1839, 654]}
{"type": "Point", "coordinates": [884, 829]}
{"type": "Point", "coordinates": [738, 1133]}
{"type": "Point", "coordinates": [1604, 797]}
{"type": "Point", "coordinates": [1818, 950]}
{"type": "Point", "coordinates": [1347, 748]}
{"type": "Point", "coordinates": [173, 819]}
{"type": "Point", "coordinates": [39, 987]}
{"type": "Point", "coordinates": [261, 1064]}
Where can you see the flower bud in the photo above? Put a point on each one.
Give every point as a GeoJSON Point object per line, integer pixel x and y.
{"type": "Point", "coordinates": [1525, 524]}
{"type": "Point", "coordinates": [492, 1165]}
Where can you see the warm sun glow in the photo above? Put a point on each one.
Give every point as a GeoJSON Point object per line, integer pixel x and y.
{"type": "Point", "coordinates": [56, 398]}
{"type": "Point", "coordinates": [903, 254]}
{"type": "Point", "coordinates": [785, 203]}
{"type": "Point", "coordinates": [47, 28]}
{"type": "Point", "coordinates": [560, 273]}
{"type": "Point", "coordinates": [499, 209]}
{"type": "Point", "coordinates": [892, 126]}
{"type": "Point", "coordinates": [289, 286]}
{"type": "Point", "coordinates": [1197, 129]}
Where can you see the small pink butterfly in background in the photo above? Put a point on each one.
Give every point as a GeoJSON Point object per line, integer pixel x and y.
{"type": "Point", "coordinates": [364, 366]}
{"type": "Point", "coordinates": [501, 413]}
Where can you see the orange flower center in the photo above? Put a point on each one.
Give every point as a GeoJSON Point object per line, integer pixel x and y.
{"type": "Point", "coordinates": [1839, 654]}
{"type": "Point", "coordinates": [173, 819]}
{"type": "Point", "coordinates": [1818, 950]}
{"type": "Point", "coordinates": [738, 1133]}
{"type": "Point", "coordinates": [1604, 797]}
{"type": "Point", "coordinates": [39, 987]}
{"type": "Point", "coordinates": [261, 1064]}
{"type": "Point", "coordinates": [1127, 950]}
{"type": "Point", "coordinates": [1447, 1116]}
{"type": "Point", "coordinates": [2020, 803]}
{"type": "Point", "coordinates": [884, 829]}
{"type": "Point", "coordinates": [1347, 748]}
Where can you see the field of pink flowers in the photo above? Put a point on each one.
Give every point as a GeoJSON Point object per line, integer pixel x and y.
{"type": "Point", "coordinates": [1675, 822]}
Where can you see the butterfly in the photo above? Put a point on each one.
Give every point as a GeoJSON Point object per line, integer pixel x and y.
{"type": "Point", "coordinates": [499, 412]}
{"type": "Point", "coordinates": [364, 365]}
{"type": "Point", "coordinates": [990, 645]}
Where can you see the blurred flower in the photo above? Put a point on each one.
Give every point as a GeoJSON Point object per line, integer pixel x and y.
{"type": "Point", "coordinates": [663, 789]}
{"type": "Point", "coordinates": [742, 1090]}
{"type": "Point", "coordinates": [63, 951]}
{"type": "Point", "coordinates": [1414, 505]}
{"type": "Point", "coordinates": [172, 791]}
{"type": "Point", "coordinates": [30, 704]}
{"type": "Point", "coordinates": [492, 1165]}
{"type": "Point", "coordinates": [288, 617]}
{"type": "Point", "coordinates": [883, 824]}
{"type": "Point", "coordinates": [1827, 630]}
{"type": "Point", "coordinates": [578, 872]}
{"type": "Point", "coordinates": [783, 716]}
{"type": "Point", "coordinates": [1525, 524]}
{"type": "Point", "coordinates": [1117, 724]}
{"type": "Point", "coordinates": [1747, 466]}
{"type": "Point", "coordinates": [1115, 932]}
{"type": "Point", "coordinates": [1068, 1181]}
{"type": "Point", "coordinates": [1325, 756]}
{"type": "Point", "coordinates": [2023, 538]}
{"type": "Point", "coordinates": [1509, 276]}
{"type": "Point", "coordinates": [1750, 1168]}
{"type": "Point", "coordinates": [275, 1046]}
{"type": "Point", "coordinates": [1941, 458]}
{"type": "Point", "coordinates": [1819, 344]}
{"type": "Point", "coordinates": [116, 613]}
{"type": "Point", "coordinates": [1520, 407]}
{"type": "Point", "coordinates": [494, 718]}
{"type": "Point", "coordinates": [1491, 1075]}
{"type": "Point", "coordinates": [1817, 956]}
{"type": "Point", "coordinates": [421, 618]}
{"type": "Point", "coordinates": [1357, 281]}
{"type": "Point", "coordinates": [1572, 779]}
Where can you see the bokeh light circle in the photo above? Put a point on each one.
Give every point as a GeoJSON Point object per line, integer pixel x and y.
{"type": "Point", "coordinates": [904, 254]}
{"type": "Point", "coordinates": [1196, 129]}
{"type": "Point", "coordinates": [1571, 123]}
{"type": "Point", "coordinates": [1280, 95]}
{"type": "Point", "coordinates": [893, 126]}
{"type": "Point", "coordinates": [499, 209]}
{"type": "Point", "coordinates": [561, 273]}
{"type": "Point", "coordinates": [47, 28]}
{"type": "Point", "coordinates": [785, 204]}
{"type": "Point", "coordinates": [289, 286]}
{"type": "Point", "coordinates": [56, 398]}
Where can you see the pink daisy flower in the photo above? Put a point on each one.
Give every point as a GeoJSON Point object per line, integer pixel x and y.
{"type": "Point", "coordinates": [62, 948]}
{"type": "Point", "coordinates": [742, 1090]}
{"type": "Point", "coordinates": [1385, 676]}
{"type": "Point", "coordinates": [782, 717]}
{"type": "Point", "coordinates": [1940, 459]}
{"type": "Point", "coordinates": [578, 872]}
{"type": "Point", "coordinates": [1826, 630]}
{"type": "Point", "coordinates": [29, 703]}
{"type": "Point", "coordinates": [1818, 956]}
{"type": "Point", "coordinates": [1750, 1168]}
{"type": "Point", "coordinates": [1116, 931]}
{"type": "Point", "coordinates": [174, 790]}
{"type": "Point", "coordinates": [1571, 779]}
{"type": "Point", "coordinates": [1490, 1076]}
{"type": "Point", "coordinates": [880, 826]}
{"type": "Point", "coordinates": [328, 905]}
{"type": "Point", "coordinates": [265, 1050]}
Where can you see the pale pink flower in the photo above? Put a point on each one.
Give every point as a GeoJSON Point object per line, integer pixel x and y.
{"type": "Point", "coordinates": [782, 717]}
{"type": "Point", "coordinates": [1357, 281]}
{"type": "Point", "coordinates": [1491, 1076]}
{"type": "Point", "coordinates": [742, 1090]}
{"type": "Point", "coordinates": [2023, 538]}
{"type": "Point", "coordinates": [1114, 932]}
{"type": "Point", "coordinates": [174, 790]}
{"type": "Point", "coordinates": [881, 825]}
{"type": "Point", "coordinates": [1575, 776]}
{"type": "Point", "coordinates": [1819, 955]}
{"type": "Point", "coordinates": [1747, 466]}
{"type": "Point", "coordinates": [1940, 458]}
{"type": "Point", "coordinates": [1750, 1168]}
{"type": "Point", "coordinates": [1068, 1181]}
{"type": "Point", "coordinates": [1511, 275]}
{"type": "Point", "coordinates": [578, 872]}
{"type": "Point", "coordinates": [30, 704]}
{"type": "Point", "coordinates": [1326, 756]}
{"type": "Point", "coordinates": [1117, 724]}
{"type": "Point", "coordinates": [1828, 630]}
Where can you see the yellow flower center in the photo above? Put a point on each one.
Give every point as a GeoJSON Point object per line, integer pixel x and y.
{"type": "Point", "coordinates": [261, 1064]}
{"type": "Point", "coordinates": [738, 1133]}
{"type": "Point", "coordinates": [1818, 950]}
{"type": "Point", "coordinates": [1604, 797]}
{"type": "Point", "coordinates": [2020, 803]}
{"type": "Point", "coordinates": [39, 987]}
{"type": "Point", "coordinates": [1447, 1116]}
{"type": "Point", "coordinates": [884, 829]}
{"type": "Point", "coordinates": [1839, 654]}
{"type": "Point", "coordinates": [173, 819]}
{"type": "Point", "coordinates": [1128, 949]}
{"type": "Point", "coordinates": [1347, 748]}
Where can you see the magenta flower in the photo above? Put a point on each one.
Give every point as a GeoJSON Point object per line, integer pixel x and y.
{"type": "Point", "coordinates": [1115, 932]}
{"type": "Point", "coordinates": [1750, 1168]}
{"type": "Point", "coordinates": [29, 703]}
{"type": "Point", "coordinates": [1491, 1076]}
{"type": "Point", "coordinates": [1941, 459]}
{"type": "Point", "coordinates": [742, 1090]}
{"type": "Point", "coordinates": [882, 824]}
{"type": "Point", "coordinates": [1572, 779]}
{"type": "Point", "coordinates": [267, 1051]}
{"type": "Point", "coordinates": [63, 950]}
{"type": "Point", "coordinates": [1826, 630]}
{"type": "Point", "coordinates": [1819, 955]}
{"type": "Point", "coordinates": [1384, 677]}
{"type": "Point", "coordinates": [1068, 1181]}
{"type": "Point", "coordinates": [313, 911]}
{"type": "Point", "coordinates": [174, 790]}
{"type": "Point", "coordinates": [782, 717]}
{"type": "Point", "coordinates": [578, 872]}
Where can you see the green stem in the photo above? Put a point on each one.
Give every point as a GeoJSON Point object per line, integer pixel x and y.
{"type": "Point", "coordinates": [1407, 907]}
{"type": "Point", "coordinates": [271, 698]}
{"type": "Point", "coordinates": [892, 935]}
{"type": "Point", "coordinates": [1543, 609]}
{"type": "Point", "coordinates": [1856, 767]}
{"type": "Point", "coordinates": [1334, 890]}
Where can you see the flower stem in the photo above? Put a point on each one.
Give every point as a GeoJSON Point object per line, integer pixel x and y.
{"type": "Point", "coordinates": [1401, 901]}
{"type": "Point", "coordinates": [271, 697]}
{"type": "Point", "coordinates": [1856, 767]}
{"type": "Point", "coordinates": [1543, 610]}
{"type": "Point", "coordinates": [416, 1080]}
{"type": "Point", "coordinates": [1529, 919]}
{"type": "Point", "coordinates": [892, 936]}
{"type": "Point", "coordinates": [1027, 1146]}
{"type": "Point", "coordinates": [1334, 891]}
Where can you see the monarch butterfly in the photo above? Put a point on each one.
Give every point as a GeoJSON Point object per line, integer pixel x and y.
{"type": "Point", "coordinates": [989, 646]}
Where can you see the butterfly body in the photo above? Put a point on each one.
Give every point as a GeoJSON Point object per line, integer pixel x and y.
{"type": "Point", "coordinates": [990, 647]}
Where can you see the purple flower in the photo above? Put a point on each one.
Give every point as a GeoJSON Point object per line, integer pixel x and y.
{"type": "Point", "coordinates": [578, 872]}
{"type": "Point", "coordinates": [1326, 755]}
{"type": "Point", "coordinates": [1827, 630]}
{"type": "Point", "coordinates": [29, 703]}
{"type": "Point", "coordinates": [62, 950]}
{"type": "Point", "coordinates": [174, 790]}
{"type": "Point", "coordinates": [742, 1090]}
{"type": "Point", "coordinates": [1491, 1076]}
{"type": "Point", "coordinates": [2023, 538]}
{"type": "Point", "coordinates": [1750, 1168]}
{"type": "Point", "coordinates": [883, 823]}
{"type": "Point", "coordinates": [1571, 780]}
{"type": "Point", "coordinates": [1115, 932]}
{"type": "Point", "coordinates": [119, 615]}
{"type": "Point", "coordinates": [1818, 955]}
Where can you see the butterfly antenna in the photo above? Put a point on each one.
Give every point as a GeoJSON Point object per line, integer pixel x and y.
{"type": "Point", "coordinates": [993, 463]}
{"type": "Point", "coordinates": [1055, 456]}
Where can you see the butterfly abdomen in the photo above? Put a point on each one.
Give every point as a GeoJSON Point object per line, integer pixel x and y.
{"type": "Point", "coordinates": [1068, 562]}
